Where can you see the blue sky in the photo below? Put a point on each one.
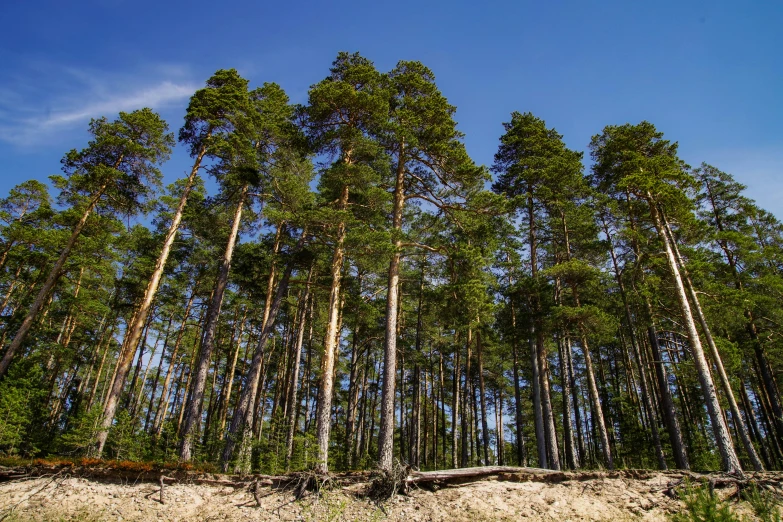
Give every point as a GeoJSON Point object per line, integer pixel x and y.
{"type": "Point", "coordinates": [708, 74]}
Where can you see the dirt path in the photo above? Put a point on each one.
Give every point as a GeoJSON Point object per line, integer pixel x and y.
{"type": "Point", "coordinates": [601, 498]}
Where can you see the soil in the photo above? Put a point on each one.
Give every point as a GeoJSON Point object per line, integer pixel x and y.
{"type": "Point", "coordinates": [590, 497]}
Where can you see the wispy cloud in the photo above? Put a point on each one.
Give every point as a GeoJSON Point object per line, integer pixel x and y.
{"type": "Point", "coordinates": [40, 104]}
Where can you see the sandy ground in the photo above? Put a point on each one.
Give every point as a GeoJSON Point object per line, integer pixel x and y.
{"type": "Point", "coordinates": [68, 498]}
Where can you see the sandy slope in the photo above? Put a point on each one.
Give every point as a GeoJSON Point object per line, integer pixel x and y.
{"type": "Point", "coordinates": [69, 498]}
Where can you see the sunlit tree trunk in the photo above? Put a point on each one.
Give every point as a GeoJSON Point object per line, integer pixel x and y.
{"type": "Point", "coordinates": [195, 400]}
{"type": "Point", "coordinates": [731, 463]}
{"type": "Point", "coordinates": [134, 331]}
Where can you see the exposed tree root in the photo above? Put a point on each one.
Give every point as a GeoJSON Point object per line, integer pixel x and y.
{"type": "Point", "coordinates": [385, 484]}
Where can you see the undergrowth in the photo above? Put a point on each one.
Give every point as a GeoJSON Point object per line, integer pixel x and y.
{"type": "Point", "coordinates": [703, 505]}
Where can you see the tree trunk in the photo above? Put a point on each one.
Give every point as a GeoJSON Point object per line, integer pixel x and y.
{"type": "Point", "coordinates": [229, 381]}
{"type": "Point", "coordinates": [580, 446]}
{"type": "Point", "coordinates": [140, 318]}
{"type": "Point", "coordinates": [716, 358]}
{"type": "Point", "coordinates": [196, 398]}
{"type": "Point", "coordinates": [467, 397]}
{"type": "Point", "coordinates": [499, 427]}
{"type": "Point", "coordinates": [731, 463]}
{"type": "Point", "coordinates": [568, 433]}
{"type": "Point", "coordinates": [160, 415]}
{"type": "Point", "coordinates": [353, 390]}
{"type": "Point", "coordinates": [244, 412]}
{"type": "Point", "coordinates": [483, 399]}
{"type": "Point", "coordinates": [455, 392]}
{"type": "Point", "coordinates": [650, 410]}
{"type": "Point", "coordinates": [331, 344]}
{"type": "Point", "coordinates": [157, 374]}
{"type": "Point", "coordinates": [535, 384]}
{"type": "Point", "coordinates": [386, 436]}
{"type": "Point", "coordinates": [520, 440]}
{"type": "Point", "coordinates": [293, 397]}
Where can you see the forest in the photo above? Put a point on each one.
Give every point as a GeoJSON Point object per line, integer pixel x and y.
{"type": "Point", "coordinates": [338, 286]}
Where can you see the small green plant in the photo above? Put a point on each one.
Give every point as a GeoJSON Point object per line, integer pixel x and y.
{"type": "Point", "coordinates": [702, 505]}
{"type": "Point", "coordinates": [125, 441]}
{"type": "Point", "coordinates": [80, 438]}
{"type": "Point", "coordinates": [763, 503]}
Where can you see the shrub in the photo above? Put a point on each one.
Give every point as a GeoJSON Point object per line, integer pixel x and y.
{"type": "Point", "coordinates": [702, 505]}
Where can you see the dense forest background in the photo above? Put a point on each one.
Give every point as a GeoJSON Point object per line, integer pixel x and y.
{"type": "Point", "coordinates": [357, 292]}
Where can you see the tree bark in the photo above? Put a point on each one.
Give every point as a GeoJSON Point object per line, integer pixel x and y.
{"type": "Point", "coordinates": [134, 330]}
{"type": "Point", "coordinates": [195, 401]}
{"type": "Point", "coordinates": [331, 344]}
{"type": "Point", "coordinates": [386, 436]}
{"type": "Point", "coordinates": [244, 412]}
{"type": "Point", "coordinates": [731, 463]}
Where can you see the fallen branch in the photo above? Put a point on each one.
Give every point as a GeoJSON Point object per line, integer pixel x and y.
{"type": "Point", "coordinates": [12, 508]}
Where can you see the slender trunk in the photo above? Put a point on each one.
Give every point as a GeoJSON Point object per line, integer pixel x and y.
{"type": "Point", "coordinates": [499, 427]}
{"type": "Point", "coordinates": [196, 399]}
{"type": "Point", "coordinates": [455, 392]}
{"type": "Point", "coordinates": [483, 399]}
{"type": "Point", "coordinates": [596, 403]}
{"type": "Point", "coordinates": [541, 400]}
{"type": "Point", "coordinates": [550, 431]}
{"type": "Point", "coordinates": [95, 383]}
{"type": "Point", "coordinates": [731, 463]}
{"type": "Point", "coordinates": [535, 384]}
{"type": "Point", "coordinates": [650, 410]}
{"type": "Point", "coordinates": [579, 458]}
{"type": "Point", "coordinates": [140, 318]}
{"type": "Point", "coordinates": [467, 396]}
{"type": "Point", "coordinates": [160, 414]}
{"type": "Point", "coordinates": [293, 394]}
{"type": "Point", "coordinates": [768, 379]}
{"type": "Point", "coordinates": [353, 390]}
{"type": "Point", "coordinates": [244, 412]}
{"type": "Point", "coordinates": [591, 384]}
{"type": "Point", "coordinates": [520, 440]}
{"type": "Point", "coordinates": [417, 402]}
{"type": "Point", "coordinates": [568, 433]}
{"type": "Point", "coordinates": [157, 374]}
{"type": "Point", "coordinates": [386, 437]}
{"type": "Point", "coordinates": [139, 361]}
{"type": "Point", "coordinates": [229, 380]}
{"type": "Point", "coordinates": [331, 344]}
{"type": "Point", "coordinates": [716, 358]}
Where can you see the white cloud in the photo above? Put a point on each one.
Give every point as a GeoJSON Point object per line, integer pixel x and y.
{"type": "Point", "coordinates": [155, 96]}
{"type": "Point", "coordinates": [41, 105]}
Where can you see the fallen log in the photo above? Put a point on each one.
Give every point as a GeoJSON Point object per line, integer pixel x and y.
{"type": "Point", "coordinates": [469, 474]}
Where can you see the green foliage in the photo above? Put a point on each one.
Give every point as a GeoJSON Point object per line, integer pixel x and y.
{"type": "Point", "coordinates": [79, 440]}
{"type": "Point", "coordinates": [764, 504]}
{"type": "Point", "coordinates": [120, 162]}
{"type": "Point", "coordinates": [126, 441]}
{"type": "Point", "coordinates": [549, 253]}
{"type": "Point", "coordinates": [702, 505]}
{"type": "Point", "coordinates": [21, 394]}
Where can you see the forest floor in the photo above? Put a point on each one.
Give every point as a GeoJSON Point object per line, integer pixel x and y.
{"type": "Point", "coordinates": [68, 494]}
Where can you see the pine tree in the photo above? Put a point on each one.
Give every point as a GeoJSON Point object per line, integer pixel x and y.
{"type": "Point", "coordinates": [117, 172]}
{"type": "Point", "coordinates": [639, 160]}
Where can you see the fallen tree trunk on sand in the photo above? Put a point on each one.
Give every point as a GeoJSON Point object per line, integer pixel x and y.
{"type": "Point", "coordinates": [460, 474]}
